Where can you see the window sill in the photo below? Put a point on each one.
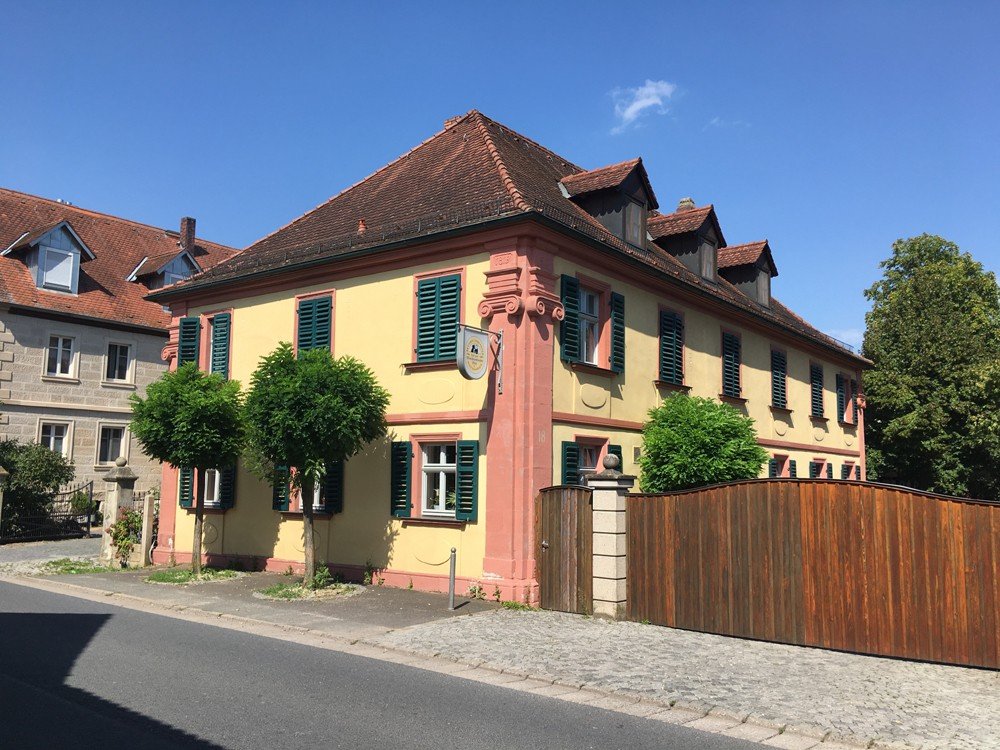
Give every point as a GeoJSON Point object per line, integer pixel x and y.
{"type": "Point", "coordinates": [447, 364]}
{"type": "Point", "coordinates": [842, 423]}
{"type": "Point", "coordinates": [668, 386]}
{"type": "Point", "coordinates": [593, 369]}
{"type": "Point", "coordinates": [781, 409]}
{"type": "Point", "coordinates": [447, 523]}
{"type": "Point", "coordinates": [217, 510]}
{"type": "Point", "coordinates": [60, 379]}
{"type": "Point", "coordinates": [822, 420]}
{"type": "Point", "coordinates": [317, 513]}
{"type": "Point", "coordinates": [732, 399]}
{"type": "Point", "coordinates": [118, 384]}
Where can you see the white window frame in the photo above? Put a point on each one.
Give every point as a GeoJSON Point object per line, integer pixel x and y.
{"type": "Point", "coordinates": [213, 479]}
{"type": "Point", "coordinates": [129, 380]}
{"type": "Point", "coordinates": [585, 467]}
{"type": "Point", "coordinates": [588, 320]}
{"type": "Point", "coordinates": [67, 446]}
{"type": "Point", "coordinates": [73, 356]}
{"type": "Point", "coordinates": [126, 440]}
{"type": "Point", "coordinates": [74, 266]}
{"type": "Point", "coordinates": [434, 477]}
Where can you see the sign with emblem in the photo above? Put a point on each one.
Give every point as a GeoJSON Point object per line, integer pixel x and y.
{"type": "Point", "coordinates": [472, 353]}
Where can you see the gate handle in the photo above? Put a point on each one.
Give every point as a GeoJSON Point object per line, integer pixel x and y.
{"type": "Point", "coordinates": [545, 545]}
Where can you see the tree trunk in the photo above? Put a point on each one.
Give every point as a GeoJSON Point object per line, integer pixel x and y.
{"type": "Point", "coordinates": [306, 499]}
{"type": "Point", "coordinates": [199, 517]}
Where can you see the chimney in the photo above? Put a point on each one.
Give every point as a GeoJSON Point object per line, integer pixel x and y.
{"type": "Point", "coordinates": [187, 234]}
{"type": "Point", "coordinates": [686, 204]}
{"type": "Point", "coordinates": [362, 226]}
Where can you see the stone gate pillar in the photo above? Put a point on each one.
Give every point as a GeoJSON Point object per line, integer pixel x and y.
{"type": "Point", "coordinates": [121, 483]}
{"type": "Point", "coordinates": [610, 488]}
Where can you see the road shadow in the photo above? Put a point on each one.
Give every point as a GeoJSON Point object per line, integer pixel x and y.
{"type": "Point", "coordinates": [37, 654]}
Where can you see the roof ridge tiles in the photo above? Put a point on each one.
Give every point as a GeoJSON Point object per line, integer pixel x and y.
{"type": "Point", "coordinates": [505, 178]}
{"type": "Point", "coordinates": [526, 139]}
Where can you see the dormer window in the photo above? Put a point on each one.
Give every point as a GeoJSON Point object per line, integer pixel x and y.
{"type": "Point", "coordinates": [709, 259]}
{"type": "Point", "coordinates": [764, 287]}
{"type": "Point", "coordinates": [635, 218]}
{"type": "Point", "coordinates": [53, 255]}
{"type": "Point", "coordinates": [56, 268]}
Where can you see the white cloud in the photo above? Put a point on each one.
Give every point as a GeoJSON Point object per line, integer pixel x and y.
{"type": "Point", "coordinates": [852, 336]}
{"type": "Point", "coordinates": [631, 103]}
{"type": "Point", "coordinates": [718, 122]}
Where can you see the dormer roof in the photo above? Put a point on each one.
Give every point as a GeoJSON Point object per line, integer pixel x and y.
{"type": "Point", "coordinates": [156, 263]}
{"type": "Point", "coordinates": [748, 254]}
{"type": "Point", "coordinates": [684, 221]}
{"type": "Point", "coordinates": [607, 178]}
{"type": "Point", "coordinates": [32, 237]}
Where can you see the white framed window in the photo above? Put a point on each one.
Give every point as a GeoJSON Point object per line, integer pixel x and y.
{"type": "Point", "coordinates": [438, 466]}
{"type": "Point", "coordinates": [588, 458]}
{"type": "Point", "coordinates": [210, 496]}
{"type": "Point", "coordinates": [118, 363]}
{"type": "Point", "coordinates": [59, 356]}
{"type": "Point", "coordinates": [55, 436]}
{"type": "Point", "coordinates": [110, 443]}
{"type": "Point", "coordinates": [633, 223]}
{"type": "Point", "coordinates": [57, 268]}
{"type": "Point", "coordinates": [590, 324]}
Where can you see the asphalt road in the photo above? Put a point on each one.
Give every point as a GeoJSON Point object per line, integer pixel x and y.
{"type": "Point", "coordinates": [78, 674]}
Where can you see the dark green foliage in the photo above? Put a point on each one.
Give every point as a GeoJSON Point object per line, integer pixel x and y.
{"type": "Point", "coordinates": [692, 442]}
{"type": "Point", "coordinates": [933, 399]}
{"type": "Point", "coordinates": [36, 473]}
{"type": "Point", "coordinates": [190, 419]}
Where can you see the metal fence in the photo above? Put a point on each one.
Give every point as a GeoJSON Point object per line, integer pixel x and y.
{"type": "Point", "coordinates": [69, 514]}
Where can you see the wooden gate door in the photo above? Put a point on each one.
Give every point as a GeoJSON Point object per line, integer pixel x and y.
{"type": "Point", "coordinates": [564, 545]}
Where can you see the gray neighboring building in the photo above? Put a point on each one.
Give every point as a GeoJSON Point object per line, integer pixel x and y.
{"type": "Point", "coordinates": [77, 336]}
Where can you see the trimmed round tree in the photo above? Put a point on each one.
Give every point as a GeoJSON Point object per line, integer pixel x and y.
{"type": "Point", "coordinates": [194, 420]}
{"type": "Point", "coordinates": [307, 412]}
{"type": "Point", "coordinates": [692, 442]}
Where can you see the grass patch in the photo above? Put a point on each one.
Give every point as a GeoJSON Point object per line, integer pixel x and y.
{"type": "Point", "coordinates": [285, 591]}
{"type": "Point", "coordinates": [67, 566]}
{"type": "Point", "coordinates": [518, 606]}
{"type": "Point", "coordinates": [292, 591]}
{"type": "Point", "coordinates": [181, 576]}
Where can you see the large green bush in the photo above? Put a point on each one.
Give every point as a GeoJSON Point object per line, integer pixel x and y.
{"type": "Point", "coordinates": [36, 473]}
{"type": "Point", "coordinates": [693, 442]}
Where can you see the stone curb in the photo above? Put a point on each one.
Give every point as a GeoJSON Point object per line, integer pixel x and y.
{"type": "Point", "coordinates": [803, 735]}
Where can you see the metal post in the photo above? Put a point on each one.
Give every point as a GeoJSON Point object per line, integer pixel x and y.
{"type": "Point", "coordinates": [451, 582]}
{"type": "Point", "coordinates": [3, 476]}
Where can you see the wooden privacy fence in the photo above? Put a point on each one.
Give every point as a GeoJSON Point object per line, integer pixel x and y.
{"type": "Point", "coordinates": [564, 551]}
{"type": "Point", "coordinates": [841, 565]}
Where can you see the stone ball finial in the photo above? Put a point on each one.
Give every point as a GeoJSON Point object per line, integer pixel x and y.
{"type": "Point", "coordinates": [612, 462]}
{"type": "Point", "coordinates": [120, 461]}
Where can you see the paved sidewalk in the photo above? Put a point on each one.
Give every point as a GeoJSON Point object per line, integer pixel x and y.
{"type": "Point", "coordinates": [25, 557]}
{"type": "Point", "coordinates": [848, 695]}
{"type": "Point", "coordinates": [745, 689]}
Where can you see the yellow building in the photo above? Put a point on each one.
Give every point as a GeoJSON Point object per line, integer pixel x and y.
{"type": "Point", "coordinates": [605, 306]}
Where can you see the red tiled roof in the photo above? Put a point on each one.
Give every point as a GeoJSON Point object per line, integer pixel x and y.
{"type": "Point", "coordinates": [472, 172]}
{"type": "Point", "coordinates": [579, 183]}
{"type": "Point", "coordinates": [746, 255]}
{"type": "Point", "coordinates": [118, 246]}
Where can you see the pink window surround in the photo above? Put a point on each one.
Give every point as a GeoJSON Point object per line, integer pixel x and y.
{"type": "Point", "coordinates": [603, 292]}
{"type": "Point", "coordinates": [784, 468]}
{"type": "Point", "coordinates": [594, 442]}
{"type": "Point", "coordinates": [332, 294]}
{"type": "Point", "coordinates": [417, 469]}
{"type": "Point", "coordinates": [848, 417]}
{"type": "Point", "coordinates": [411, 362]}
{"type": "Point", "coordinates": [205, 338]}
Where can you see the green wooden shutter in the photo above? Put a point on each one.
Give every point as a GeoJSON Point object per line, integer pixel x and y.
{"type": "Point", "coordinates": [617, 358]}
{"type": "Point", "coordinates": [854, 401]}
{"type": "Point", "coordinates": [333, 487]}
{"type": "Point", "coordinates": [845, 471]}
{"type": "Point", "coordinates": [314, 324]}
{"type": "Point", "coordinates": [569, 329]}
{"type": "Point", "coordinates": [227, 487]}
{"type": "Point", "coordinates": [306, 325]}
{"type": "Point", "coordinates": [779, 378]}
{"type": "Point", "coordinates": [615, 450]}
{"type": "Point", "coordinates": [816, 389]}
{"type": "Point", "coordinates": [731, 365]}
{"type": "Point", "coordinates": [829, 470]}
{"type": "Point", "coordinates": [221, 327]}
{"type": "Point", "coordinates": [467, 481]}
{"type": "Point", "coordinates": [570, 463]}
{"type": "Point", "coordinates": [427, 314]}
{"type": "Point", "coordinates": [188, 340]}
{"type": "Point", "coordinates": [671, 348]}
{"type": "Point", "coordinates": [185, 487]}
{"type": "Point", "coordinates": [279, 493]}
{"type": "Point", "coordinates": [793, 470]}
{"type": "Point", "coordinates": [841, 397]}
{"type": "Point", "coordinates": [449, 295]}
{"type": "Point", "coordinates": [814, 469]}
{"type": "Point", "coordinates": [400, 457]}
{"type": "Point", "coordinates": [772, 468]}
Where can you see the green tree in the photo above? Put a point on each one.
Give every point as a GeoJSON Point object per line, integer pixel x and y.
{"type": "Point", "coordinates": [933, 398]}
{"type": "Point", "coordinates": [306, 412]}
{"type": "Point", "coordinates": [36, 473]}
{"type": "Point", "coordinates": [692, 442]}
{"type": "Point", "coordinates": [193, 420]}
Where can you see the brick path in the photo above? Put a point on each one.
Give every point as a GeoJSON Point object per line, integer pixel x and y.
{"type": "Point", "coordinates": [807, 690]}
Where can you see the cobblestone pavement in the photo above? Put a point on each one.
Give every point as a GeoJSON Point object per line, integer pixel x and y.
{"type": "Point", "coordinates": [27, 556]}
{"type": "Point", "coordinates": [807, 690]}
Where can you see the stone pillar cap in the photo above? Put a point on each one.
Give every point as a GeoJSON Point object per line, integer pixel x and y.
{"type": "Point", "coordinates": [121, 472]}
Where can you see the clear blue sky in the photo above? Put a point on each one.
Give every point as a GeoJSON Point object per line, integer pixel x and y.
{"type": "Point", "coordinates": [831, 132]}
